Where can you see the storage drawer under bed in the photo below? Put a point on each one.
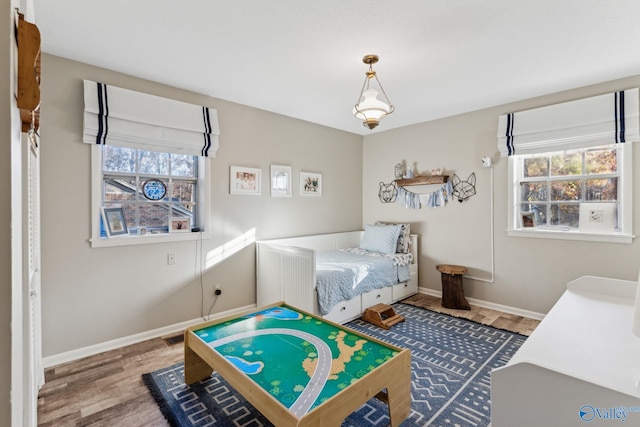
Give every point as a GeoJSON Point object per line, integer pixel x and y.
{"type": "Point", "coordinates": [345, 310]}
{"type": "Point", "coordinates": [376, 296]}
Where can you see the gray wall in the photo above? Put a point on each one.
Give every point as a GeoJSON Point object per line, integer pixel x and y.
{"type": "Point", "coordinates": [95, 295]}
{"type": "Point", "coordinates": [530, 274]}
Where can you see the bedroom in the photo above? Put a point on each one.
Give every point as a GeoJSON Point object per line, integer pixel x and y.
{"type": "Point", "coordinates": [92, 298]}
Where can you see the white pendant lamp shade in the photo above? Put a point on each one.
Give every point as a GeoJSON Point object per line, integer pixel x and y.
{"type": "Point", "coordinates": [369, 108]}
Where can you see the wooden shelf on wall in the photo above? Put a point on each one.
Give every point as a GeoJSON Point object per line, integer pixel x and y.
{"type": "Point", "coordinates": [422, 180]}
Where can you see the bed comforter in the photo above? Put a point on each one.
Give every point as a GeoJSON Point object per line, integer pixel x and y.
{"type": "Point", "coordinates": [346, 273]}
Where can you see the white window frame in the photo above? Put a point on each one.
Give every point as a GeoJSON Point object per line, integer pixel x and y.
{"type": "Point", "coordinates": [625, 219]}
{"type": "Point", "coordinates": [204, 208]}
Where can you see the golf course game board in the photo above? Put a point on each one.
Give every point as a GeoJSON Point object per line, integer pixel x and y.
{"type": "Point", "coordinates": [297, 368]}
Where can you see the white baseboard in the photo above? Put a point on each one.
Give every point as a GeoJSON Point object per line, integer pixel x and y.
{"type": "Point", "coordinates": [68, 356]}
{"type": "Point", "coordinates": [490, 305]}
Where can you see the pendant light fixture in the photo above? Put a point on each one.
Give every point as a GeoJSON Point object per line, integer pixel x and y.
{"type": "Point", "coordinates": [369, 108]}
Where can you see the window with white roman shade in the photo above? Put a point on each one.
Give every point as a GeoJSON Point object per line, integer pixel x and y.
{"type": "Point", "coordinates": [149, 163]}
{"type": "Point", "coordinates": [126, 118]}
{"type": "Point", "coordinates": [570, 168]}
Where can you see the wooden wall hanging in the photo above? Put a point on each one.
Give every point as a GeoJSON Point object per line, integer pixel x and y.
{"type": "Point", "coordinates": [28, 96]}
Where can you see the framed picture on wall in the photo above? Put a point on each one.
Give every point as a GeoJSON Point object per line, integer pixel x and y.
{"type": "Point", "coordinates": [528, 219]}
{"type": "Point", "coordinates": [244, 180]}
{"type": "Point", "coordinates": [280, 181]}
{"type": "Point", "coordinates": [597, 217]}
{"type": "Point", "coordinates": [179, 225]}
{"type": "Point", "coordinates": [310, 184]}
{"type": "Point", "coordinates": [114, 222]}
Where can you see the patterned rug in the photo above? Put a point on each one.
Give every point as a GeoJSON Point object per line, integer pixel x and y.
{"type": "Point", "coordinates": [451, 362]}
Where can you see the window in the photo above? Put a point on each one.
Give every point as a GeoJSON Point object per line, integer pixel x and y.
{"type": "Point", "coordinates": [158, 175]}
{"type": "Point", "coordinates": [153, 188]}
{"type": "Point", "coordinates": [570, 167]}
{"type": "Point", "coordinates": [557, 186]}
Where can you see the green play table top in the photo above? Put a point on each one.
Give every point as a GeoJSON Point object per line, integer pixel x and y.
{"type": "Point", "coordinates": [297, 358]}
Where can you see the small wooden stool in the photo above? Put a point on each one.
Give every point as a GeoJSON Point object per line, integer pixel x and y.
{"type": "Point", "coordinates": [452, 290]}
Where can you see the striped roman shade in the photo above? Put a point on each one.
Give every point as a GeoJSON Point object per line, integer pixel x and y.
{"type": "Point", "coordinates": [599, 120]}
{"type": "Point", "coordinates": [127, 118]}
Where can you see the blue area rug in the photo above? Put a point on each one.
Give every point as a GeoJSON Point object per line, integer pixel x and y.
{"type": "Point", "coordinates": [451, 362]}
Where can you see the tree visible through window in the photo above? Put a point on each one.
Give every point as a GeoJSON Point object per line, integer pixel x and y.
{"type": "Point", "coordinates": [552, 185]}
{"type": "Point", "coordinates": [151, 187]}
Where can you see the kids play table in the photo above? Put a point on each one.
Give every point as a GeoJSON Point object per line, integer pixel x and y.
{"type": "Point", "coordinates": [298, 369]}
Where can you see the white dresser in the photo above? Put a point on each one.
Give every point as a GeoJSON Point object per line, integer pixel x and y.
{"type": "Point", "coordinates": [580, 365]}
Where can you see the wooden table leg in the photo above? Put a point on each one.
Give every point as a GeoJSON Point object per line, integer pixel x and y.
{"type": "Point", "coordinates": [195, 369]}
{"type": "Point", "coordinates": [399, 392]}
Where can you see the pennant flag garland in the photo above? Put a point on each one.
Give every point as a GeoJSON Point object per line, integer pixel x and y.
{"type": "Point", "coordinates": [438, 198]}
{"type": "Point", "coordinates": [410, 200]}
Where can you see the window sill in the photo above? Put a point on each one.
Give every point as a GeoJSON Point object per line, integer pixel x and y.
{"type": "Point", "coordinates": [105, 242]}
{"type": "Point", "coordinates": [572, 235]}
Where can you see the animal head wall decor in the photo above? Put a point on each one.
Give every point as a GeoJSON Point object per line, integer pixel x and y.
{"type": "Point", "coordinates": [388, 192]}
{"type": "Point", "coordinates": [462, 190]}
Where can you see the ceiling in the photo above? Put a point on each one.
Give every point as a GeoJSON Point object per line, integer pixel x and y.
{"type": "Point", "coordinates": [303, 58]}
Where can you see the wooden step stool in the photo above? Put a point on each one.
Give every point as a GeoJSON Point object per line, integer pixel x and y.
{"type": "Point", "coordinates": [382, 315]}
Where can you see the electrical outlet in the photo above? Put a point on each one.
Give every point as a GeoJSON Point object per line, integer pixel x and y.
{"type": "Point", "coordinates": [171, 258]}
{"type": "Point", "coordinates": [217, 291]}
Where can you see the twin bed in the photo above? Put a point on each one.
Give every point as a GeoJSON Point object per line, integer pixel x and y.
{"type": "Point", "coordinates": [339, 275]}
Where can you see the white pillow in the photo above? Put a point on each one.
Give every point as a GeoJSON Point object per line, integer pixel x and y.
{"type": "Point", "coordinates": [380, 238]}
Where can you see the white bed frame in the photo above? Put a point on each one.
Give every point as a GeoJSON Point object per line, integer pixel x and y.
{"type": "Point", "coordinates": [581, 364]}
{"type": "Point", "coordinates": [286, 271]}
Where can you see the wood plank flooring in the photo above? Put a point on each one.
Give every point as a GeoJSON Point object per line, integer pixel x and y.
{"type": "Point", "coordinates": [107, 389]}
{"type": "Point", "coordinates": [485, 316]}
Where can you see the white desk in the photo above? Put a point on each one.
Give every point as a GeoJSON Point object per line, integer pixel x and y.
{"type": "Point", "coordinates": [582, 357]}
